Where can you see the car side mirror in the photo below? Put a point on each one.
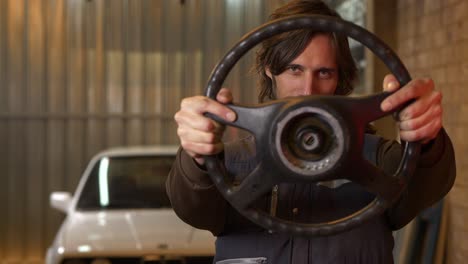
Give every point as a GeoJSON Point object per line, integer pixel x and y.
{"type": "Point", "coordinates": [60, 201]}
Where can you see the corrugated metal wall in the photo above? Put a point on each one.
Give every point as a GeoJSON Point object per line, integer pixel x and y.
{"type": "Point", "coordinates": [78, 76]}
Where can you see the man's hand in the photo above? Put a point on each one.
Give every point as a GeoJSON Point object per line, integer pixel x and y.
{"type": "Point", "coordinates": [422, 119]}
{"type": "Point", "coordinates": [200, 135]}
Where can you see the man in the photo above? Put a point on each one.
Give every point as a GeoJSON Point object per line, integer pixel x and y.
{"type": "Point", "coordinates": [302, 63]}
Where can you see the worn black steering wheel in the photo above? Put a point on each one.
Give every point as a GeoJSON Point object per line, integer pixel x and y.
{"type": "Point", "coordinates": [310, 139]}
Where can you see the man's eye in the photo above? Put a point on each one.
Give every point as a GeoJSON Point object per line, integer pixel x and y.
{"type": "Point", "coordinates": [325, 74]}
{"type": "Point", "coordinates": [294, 68]}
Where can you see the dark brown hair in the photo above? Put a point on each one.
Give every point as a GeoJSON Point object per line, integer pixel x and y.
{"type": "Point", "coordinates": [278, 51]}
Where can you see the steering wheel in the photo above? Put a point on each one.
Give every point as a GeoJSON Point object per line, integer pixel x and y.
{"type": "Point", "coordinates": [312, 138]}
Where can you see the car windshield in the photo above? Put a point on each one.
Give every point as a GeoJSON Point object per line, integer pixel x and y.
{"type": "Point", "coordinates": [127, 183]}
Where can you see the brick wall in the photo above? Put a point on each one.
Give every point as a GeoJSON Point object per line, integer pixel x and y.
{"type": "Point", "coordinates": [432, 40]}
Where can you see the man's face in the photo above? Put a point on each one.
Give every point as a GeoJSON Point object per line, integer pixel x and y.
{"type": "Point", "coordinates": [314, 71]}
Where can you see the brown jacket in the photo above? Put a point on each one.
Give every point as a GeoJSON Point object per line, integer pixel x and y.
{"type": "Point", "coordinates": [197, 201]}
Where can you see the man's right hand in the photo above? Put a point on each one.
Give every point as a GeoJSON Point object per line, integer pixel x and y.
{"type": "Point", "coordinates": [200, 135]}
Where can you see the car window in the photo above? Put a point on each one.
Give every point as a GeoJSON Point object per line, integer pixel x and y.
{"type": "Point", "coordinates": [126, 183]}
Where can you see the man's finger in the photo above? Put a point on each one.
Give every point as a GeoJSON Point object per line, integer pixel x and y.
{"type": "Point", "coordinates": [390, 83]}
{"type": "Point", "coordinates": [202, 104]}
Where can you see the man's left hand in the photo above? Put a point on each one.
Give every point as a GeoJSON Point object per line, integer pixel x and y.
{"type": "Point", "coordinates": [422, 119]}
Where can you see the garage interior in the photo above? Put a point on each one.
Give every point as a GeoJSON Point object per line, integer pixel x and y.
{"type": "Point", "coordinates": [80, 76]}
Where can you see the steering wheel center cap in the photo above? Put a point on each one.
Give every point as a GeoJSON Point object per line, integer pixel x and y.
{"type": "Point", "coordinates": [313, 137]}
{"type": "Point", "coordinates": [309, 140]}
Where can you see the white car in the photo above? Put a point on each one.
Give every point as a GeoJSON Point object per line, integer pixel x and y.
{"type": "Point", "coordinates": [120, 214]}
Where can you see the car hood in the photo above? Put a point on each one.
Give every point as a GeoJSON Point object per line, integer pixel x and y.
{"type": "Point", "coordinates": [135, 231]}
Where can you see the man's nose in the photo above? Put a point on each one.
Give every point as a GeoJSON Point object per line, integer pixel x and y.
{"type": "Point", "coordinates": [309, 84]}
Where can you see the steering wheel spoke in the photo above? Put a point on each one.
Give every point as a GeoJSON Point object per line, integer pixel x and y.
{"type": "Point", "coordinates": [254, 119]}
{"type": "Point", "coordinates": [376, 181]}
{"type": "Point", "coordinates": [361, 110]}
{"type": "Point", "coordinates": [254, 186]}
{"type": "Point", "coordinates": [368, 107]}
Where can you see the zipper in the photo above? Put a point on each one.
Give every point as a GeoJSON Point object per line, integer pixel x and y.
{"type": "Point", "coordinates": [274, 200]}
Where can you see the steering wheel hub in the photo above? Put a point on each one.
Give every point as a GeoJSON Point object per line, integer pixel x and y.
{"type": "Point", "coordinates": [309, 141]}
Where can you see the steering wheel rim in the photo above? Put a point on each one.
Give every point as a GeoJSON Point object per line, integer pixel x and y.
{"type": "Point", "coordinates": [216, 167]}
